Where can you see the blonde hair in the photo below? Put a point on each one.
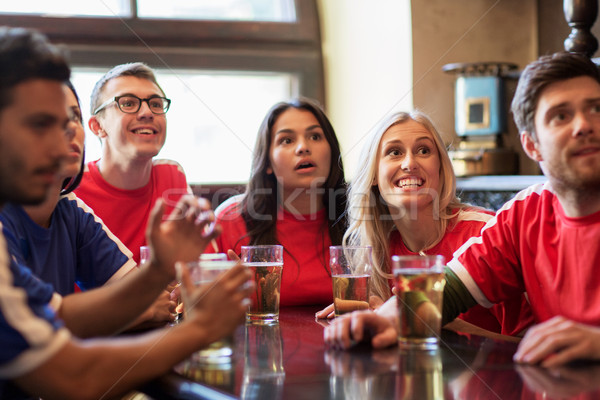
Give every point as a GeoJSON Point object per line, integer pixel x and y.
{"type": "Point", "coordinates": [370, 221]}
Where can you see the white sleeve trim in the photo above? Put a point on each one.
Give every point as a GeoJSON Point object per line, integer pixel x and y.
{"type": "Point", "coordinates": [35, 356]}
{"type": "Point", "coordinates": [129, 266]}
{"type": "Point", "coordinates": [466, 278]}
{"type": "Point", "coordinates": [56, 302]}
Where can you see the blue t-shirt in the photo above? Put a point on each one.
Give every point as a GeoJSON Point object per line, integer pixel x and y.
{"type": "Point", "coordinates": [76, 248]}
{"type": "Point", "coordinates": [29, 331]}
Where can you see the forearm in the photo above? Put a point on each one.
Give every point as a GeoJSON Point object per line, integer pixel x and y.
{"type": "Point", "coordinates": [457, 298]}
{"type": "Point", "coordinates": [110, 308]}
{"type": "Point", "coordinates": [107, 368]}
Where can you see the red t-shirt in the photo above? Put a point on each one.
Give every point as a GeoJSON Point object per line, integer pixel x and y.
{"type": "Point", "coordinates": [306, 279]}
{"type": "Point", "coordinates": [531, 245]}
{"type": "Point", "coordinates": [126, 212]}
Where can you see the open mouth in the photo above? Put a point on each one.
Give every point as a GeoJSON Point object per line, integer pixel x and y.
{"type": "Point", "coordinates": [408, 183]}
{"type": "Point", "coordinates": [144, 131]}
{"type": "Point", "coordinates": [304, 165]}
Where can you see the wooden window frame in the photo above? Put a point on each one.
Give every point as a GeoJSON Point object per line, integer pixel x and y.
{"type": "Point", "coordinates": [289, 47]}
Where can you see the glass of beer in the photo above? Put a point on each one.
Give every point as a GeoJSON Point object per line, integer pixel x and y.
{"type": "Point", "coordinates": [205, 273]}
{"type": "Point", "coordinates": [419, 290]}
{"type": "Point", "coordinates": [351, 275]}
{"type": "Point", "coordinates": [266, 264]}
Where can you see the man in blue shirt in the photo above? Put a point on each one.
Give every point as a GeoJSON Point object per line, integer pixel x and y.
{"type": "Point", "coordinates": [39, 355]}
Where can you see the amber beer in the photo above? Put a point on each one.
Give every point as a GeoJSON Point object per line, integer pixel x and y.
{"type": "Point", "coordinates": [265, 300]}
{"type": "Point", "coordinates": [350, 293]}
{"type": "Point", "coordinates": [350, 276]}
{"type": "Point", "coordinates": [419, 291]}
{"type": "Point", "coordinates": [266, 264]}
{"type": "Point", "coordinates": [205, 272]}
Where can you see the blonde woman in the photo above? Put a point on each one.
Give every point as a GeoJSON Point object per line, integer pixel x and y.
{"type": "Point", "coordinates": [403, 201]}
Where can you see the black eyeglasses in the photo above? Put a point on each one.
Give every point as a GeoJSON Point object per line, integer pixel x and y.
{"type": "Point", "coordinates": [130, 104]}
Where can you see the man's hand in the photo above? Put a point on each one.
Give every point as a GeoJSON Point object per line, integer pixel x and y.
{"type": "Point", "coordinates": [557, 342]}
{"type": "Point", "coordinates": [220, 306]}
{"type": "Point", "coordinates": [349, 329]}
{"type": "Point", "coordinates": [183, 235]}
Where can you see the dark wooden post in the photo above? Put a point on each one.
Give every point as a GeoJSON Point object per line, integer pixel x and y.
{"type": "Point", "coordinates": [581, 15]}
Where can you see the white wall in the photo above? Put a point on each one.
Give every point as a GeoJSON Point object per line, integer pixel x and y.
{"type": "Point", "coordinates": [367, 51]}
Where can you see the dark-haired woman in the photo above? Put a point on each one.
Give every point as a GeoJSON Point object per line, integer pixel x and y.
{"type": "Point", "coordinates": [295, 197]}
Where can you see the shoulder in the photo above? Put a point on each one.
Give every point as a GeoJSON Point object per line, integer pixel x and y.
{"type": "Point", "coordinates": [230, 208]}
{"type": "Point", "coordinates": [162, 164]}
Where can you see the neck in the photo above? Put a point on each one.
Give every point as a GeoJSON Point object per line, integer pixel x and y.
{"type": "Point", "coordinates": [41, 214]}
{"type": "Point", "coordinates": [419, 231]}
{"type": "Point", "coordinates": [577, 203]}
{"type": "Point", "coordinates": [128, 175]}
{"type": "Point", "coordinates": [303, 201]}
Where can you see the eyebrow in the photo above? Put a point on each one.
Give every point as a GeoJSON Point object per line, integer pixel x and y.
{"type": "Point", "coordinates": [420, 138]}
{"type": "Point", "coordinates": [587, 101]}
{"type": "Point", "coordinates": [288, 130]}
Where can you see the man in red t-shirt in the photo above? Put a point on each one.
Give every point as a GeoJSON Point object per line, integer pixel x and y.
{"type": "Point", "coordinates": [128, 110]}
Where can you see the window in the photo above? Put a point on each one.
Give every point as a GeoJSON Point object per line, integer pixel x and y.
{"type": "Point", "coordinates": [214, 116]}
{"type": "Point", "coordinates": [221, 75]}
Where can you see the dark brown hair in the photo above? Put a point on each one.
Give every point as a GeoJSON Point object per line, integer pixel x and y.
{"type": "Point", "coordinates": [541, 73]}
{"type": "Point", "coordinates": [25, 55]}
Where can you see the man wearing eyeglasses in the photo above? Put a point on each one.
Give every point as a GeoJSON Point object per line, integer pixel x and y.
{"type": "Point", "coordinates": [129, 109]}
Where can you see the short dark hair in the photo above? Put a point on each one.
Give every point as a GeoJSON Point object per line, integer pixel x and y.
{"type": "Point", "coordinates": [26, 54]}
{"type": "Point", "coordinates": [541, 73]}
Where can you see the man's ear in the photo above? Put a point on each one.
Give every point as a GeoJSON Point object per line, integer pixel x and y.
{"type": "Point", "coordinates": [95, 127]}
{"type": "Point", "coordinates": [530, 145]}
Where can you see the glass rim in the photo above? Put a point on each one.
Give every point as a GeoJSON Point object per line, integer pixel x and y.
{"type": "Point", "coordinates": [213, 263]}
{"type": "Point", "coordinates": [263, 246]}
{"type": "Point", "coordinates": [336, 247]}
{"type": "Point", "coordinates": [417, 257]}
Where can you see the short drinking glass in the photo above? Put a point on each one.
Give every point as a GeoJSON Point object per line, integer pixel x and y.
{"type": "Point", "coordinates": [419, 290]}
{"type": "Point", "coordinates": [351, 275]}
{"type": "Point", "coordinates": [266, 264]}
{"type": "Point", "coordinates": [204, 273]}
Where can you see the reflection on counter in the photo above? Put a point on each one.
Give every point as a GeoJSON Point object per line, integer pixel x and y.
{"type": "Point", "coordinates": [263, 363]}
{"type": "Point", "coordinates": [220, 376]}
{"type": "Point", "coordinates": [372, 377]}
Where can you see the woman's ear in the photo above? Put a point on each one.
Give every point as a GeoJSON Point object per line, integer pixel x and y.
{"type": "Point", "coordinates": [269, 171]}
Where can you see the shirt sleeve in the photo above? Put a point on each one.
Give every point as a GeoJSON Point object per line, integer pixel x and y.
{"type": "Point", "coordinates": [101, 256]}
{"type": "Point", "coordinates": [457, 298]}
{"type": "Point", "coordinates": [29, 331]}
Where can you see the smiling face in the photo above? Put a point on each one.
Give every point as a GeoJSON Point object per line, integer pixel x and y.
{"type": "Point", "coordinates": [75, 136]}
{"type": "Point", "coordinates": [408, 162]}
{"type": "Point", "coordinates": [300, 156]}
{"type": "Point", "coordinates": [567, 124]}
{"type": "Point", "coordinates": [130, 136]}
{"type": "Point", "coordinates": [32, 141]}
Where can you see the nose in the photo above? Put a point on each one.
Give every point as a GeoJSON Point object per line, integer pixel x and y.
{"type": "Point", "coordinates": [302, 147]}
{"type": "Point", "coordinates": [582, 125]}
{"type": "Point", "coordinates": [144, 111]}
{"type": "Point", "coordinates": [57, 144]}
{"type": "Point", "coordinates": [408, 162]}
{"type": "Point", "coordinates": [70, 130]}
